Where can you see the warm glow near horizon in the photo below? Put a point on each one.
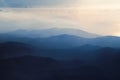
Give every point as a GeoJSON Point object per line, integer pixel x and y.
{"type": "Point", "coordinates": [96, 16]}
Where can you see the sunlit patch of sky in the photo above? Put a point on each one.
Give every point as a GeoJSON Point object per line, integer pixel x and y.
{"type": "Point", "coordinates": [97, 16]}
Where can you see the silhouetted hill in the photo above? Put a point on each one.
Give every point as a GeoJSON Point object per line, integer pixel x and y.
{"type": "Point", "coordinates": [9, 49]}
{"type": "Point", "coordinates": [27, 68]}
{"type": "Point", "coordinates": [63, 41]}
{"type": "Point", "coordinates": [107, 41]}
{"type": "Point", "coordinates": [76, 53]}
{"type": "Point", "coordinates": [86, 62]}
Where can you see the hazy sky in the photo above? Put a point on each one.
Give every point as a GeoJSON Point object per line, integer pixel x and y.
{"type": "Point", "coordinates": [96, 16]}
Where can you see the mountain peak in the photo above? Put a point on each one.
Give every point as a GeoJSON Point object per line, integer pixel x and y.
{"type": "Point", "coordinates": [54, 32]}
{"type": "Point", "coordinates": [65, 36]}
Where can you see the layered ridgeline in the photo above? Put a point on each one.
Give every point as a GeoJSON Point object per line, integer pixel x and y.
{"type": "Point", "coordinates": [52, 41]}
{"type": "Point", "coordinates": [43, 33]}
{"type": "Point", "coordinates": [58, 55]}
{"type": "Point", "coordinates": [60, 38]}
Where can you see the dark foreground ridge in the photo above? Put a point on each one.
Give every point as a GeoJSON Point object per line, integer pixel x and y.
{"type": "Point", "coordinates": [81, 63]}
{"type": "Point", "coordinates": [61, 57]}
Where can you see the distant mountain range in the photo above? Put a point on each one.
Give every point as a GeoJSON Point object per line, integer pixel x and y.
{"type": "Point", "coordinates": [58, 55]}
{"type": "Point", "coordinates": [59, 38]}
{"type": "Point", "coordinates": [53, 32]}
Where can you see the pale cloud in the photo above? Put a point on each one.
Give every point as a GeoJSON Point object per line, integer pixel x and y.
{"type": "Point", "coordinates": [60, 3]}
{"type": "Point", "coordinates": [106, 22]}
{"type": "Point", "coordinates": [96, 16]}
{"type": "Point", "coordinates": [98, 4]}
{"type": "Point", "coordinates": [35, 3]}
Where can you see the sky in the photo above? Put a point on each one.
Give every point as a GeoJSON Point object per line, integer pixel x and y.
{"type": "Point", "coordinates": [95, 16]}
